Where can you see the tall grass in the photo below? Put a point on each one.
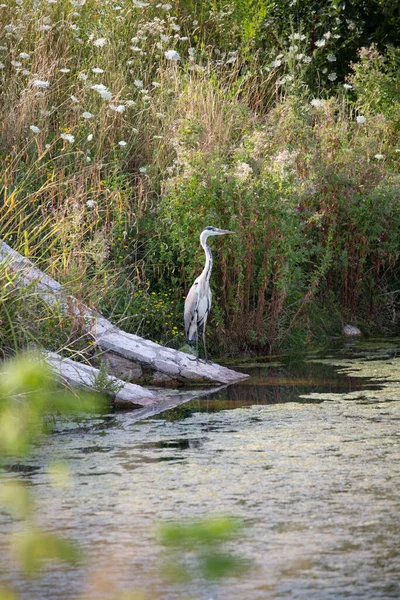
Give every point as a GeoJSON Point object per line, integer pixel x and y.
{"type": "Point", "coordinates": [115, 155]}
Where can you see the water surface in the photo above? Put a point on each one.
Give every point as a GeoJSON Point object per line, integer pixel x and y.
{"type": "Point", "coordinates": [308, 457]}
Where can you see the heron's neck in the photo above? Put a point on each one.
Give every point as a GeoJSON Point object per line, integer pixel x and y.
{"type": "Point", "coordinates": [209, 261]}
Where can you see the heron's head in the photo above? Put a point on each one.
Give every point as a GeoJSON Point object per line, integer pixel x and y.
{"type": "Point", "coordinates": [208, 231]}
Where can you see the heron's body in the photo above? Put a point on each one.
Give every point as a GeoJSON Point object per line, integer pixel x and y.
{"type": "Point", "coordinates": [198, 300]}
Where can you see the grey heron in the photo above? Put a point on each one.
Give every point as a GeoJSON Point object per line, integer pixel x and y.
{"type": "Point", "coordinates": [198, 300]}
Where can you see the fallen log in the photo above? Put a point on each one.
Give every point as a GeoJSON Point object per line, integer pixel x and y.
{"type": "Point", "coordinates": [123, 394]}
{"type": "Point", "coordinates": [110, 337]}
{"type": "Point", "coordinates": [77, 374]}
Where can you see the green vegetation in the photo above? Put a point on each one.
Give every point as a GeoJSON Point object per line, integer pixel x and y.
{"type": "Point", "coordinates": [129, 127]}
{"type": "Point", "coordinates": [197, 547]}
{"type": "Point", "coordinates": [28, 399]}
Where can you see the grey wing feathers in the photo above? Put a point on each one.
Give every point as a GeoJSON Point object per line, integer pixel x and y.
{"type": "Point", "coordinates": [197, 307]}
{"type": "Point", "coordinates": [190, 313]}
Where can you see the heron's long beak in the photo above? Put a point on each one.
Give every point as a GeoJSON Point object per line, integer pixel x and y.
{"type": "Point", "coordinates": [224, 231]}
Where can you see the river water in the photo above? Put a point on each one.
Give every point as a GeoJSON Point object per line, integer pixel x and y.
{"type": "Point", "coordinates": [306, 456]}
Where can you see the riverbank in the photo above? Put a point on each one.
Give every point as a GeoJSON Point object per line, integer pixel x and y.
{"type": "Point", "coordinates": [118, 149]}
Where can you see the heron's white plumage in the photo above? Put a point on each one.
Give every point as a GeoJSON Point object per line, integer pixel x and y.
{"type": "Point", "coordinates": [198, 300]}
{"type": "Point", "coordinates": [197, 307]}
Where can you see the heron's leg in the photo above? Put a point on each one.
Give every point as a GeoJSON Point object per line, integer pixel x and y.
{"type": "Point", "coordinates": [204, 340]}
{"type": "Point", "coordinates": [197, 350]}
{"type": "Point", "coordinates": [205, 348]}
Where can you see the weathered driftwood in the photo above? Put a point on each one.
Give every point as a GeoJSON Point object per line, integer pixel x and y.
{"type": "Point", "coordinates": [80, 375]}
{"type": "Point", "coordinates": [109, 337]}
{"type": "Point", "coordinates": [123, 394]}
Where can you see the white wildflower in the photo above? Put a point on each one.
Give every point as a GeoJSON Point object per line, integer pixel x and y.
{"type": "Point", "coordinates": [243, 170]}
{"type": "Point", "coordinates": [2, 65]}
{"type": "Point", "coordinates": [138, 83]}
{"type": "Point", "coordinates": [143, 169]}
{"type": "Point", "coordinates": [97, 70]}
{"type": "Point", "coordinates": [347, 86]}
{"type": "Point", "coordinates": [139, 4]}
{"type": "Point", "coordinates": [175, 26]}
{"type": "Point", "coordinates": [166, 6]}
{"type": "Point", "coordinates": [361, 119]}
{"type": "Point", "coordinates": [87, 115]}
{"type": "Point", "coordinates": [74, 99]}
{"type": "Point", "coordinates": [16, 63]}
{"type": "Point", "coordinates": [40, 84]}
{"type": "Point", "coordinates": [307, 59]}
{"type": "Point", "coordinates": [68, 137]}
{"type": "Point", "coordinates": [24, 56]}
{"type": "Point", "coordinates": [90, 137]}
{"type": "Point", "coordinates": [119, 109]}
{"type": "Point", "coordinates": [98, 87]}
{"type": "Point", "coordinates": [276, 63]}
{"type": "Point", "coordinates": [100, 42]}
{"type": "Point", "coordinates": [332, 76]}
{"type": "Point", "coordinates": [90, 203]}
{"type": "Point", "coordinates": [331, 57]}
{"type": "Point", "coordinates": [172, 55]}
{"type": "Point", "coordinates": [317, 102]}
{"type": "Point", "coordinates": [122, 143]}
{"type": "Point", "coordinates": [165, 38]}
{"type": "Point", "coordinates": [106, 95]}
{"type": "Point", "coordinates": [327, 35]}
{"type": "Point", "coordinates": [298, 36]}
{"type": "Point", "coordinates": [320, 43]}
{"type": "Point", "coordinates": [34, 129]}
{"type": "Point", "coordinates": [82, 77]}
{"type": "Point", "coordinates": [285, 160]}
{"type": "Point", "coordinates": [231, 59]}
{"type": "Point", "coordinates": [379, 156]}
{"type": "Point", "coordinates": [130, 103]}
{"type": "Point", "coordinates": [64, 70]}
